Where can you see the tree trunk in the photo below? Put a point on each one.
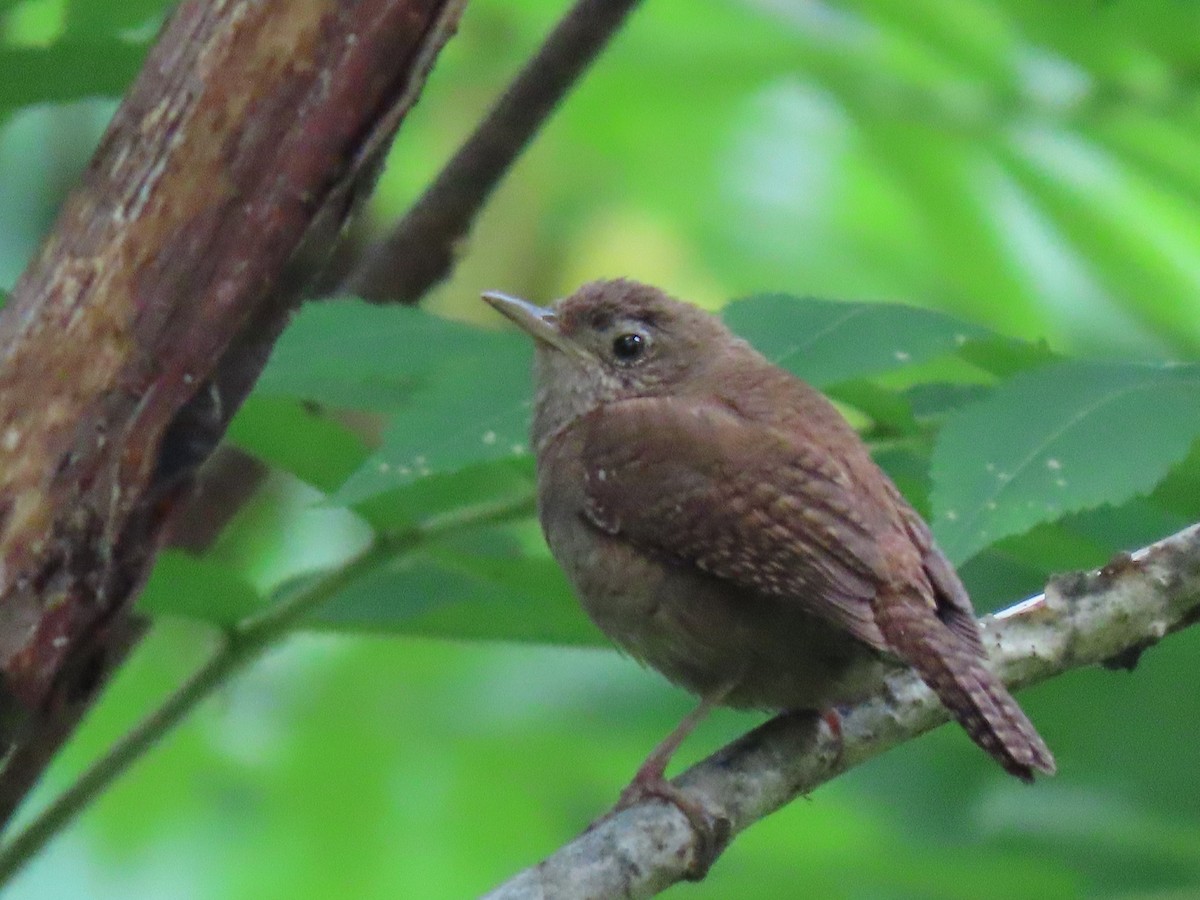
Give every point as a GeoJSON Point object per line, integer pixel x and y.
{"type": "Point", "coordinates": [214, 196]}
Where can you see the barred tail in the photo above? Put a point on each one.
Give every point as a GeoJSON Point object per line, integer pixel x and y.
{"type": "Point", "coordinates": [956, 672]}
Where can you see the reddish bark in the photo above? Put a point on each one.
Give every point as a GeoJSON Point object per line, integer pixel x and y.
{"type": "Point", "coordinates": [218, 188]}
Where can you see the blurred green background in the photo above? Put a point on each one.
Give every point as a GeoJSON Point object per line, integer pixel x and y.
{"type": "Point", "coordinates": [1027, 166]}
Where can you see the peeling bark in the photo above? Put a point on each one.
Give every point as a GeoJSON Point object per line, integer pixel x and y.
{"type": "Point", "coordinates": [215, 194]}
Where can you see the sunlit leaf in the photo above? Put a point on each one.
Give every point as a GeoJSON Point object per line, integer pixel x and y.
{"type": "Point", "coordinates": [1006, 356]}
{"type": "Point", "coordinates": [1055, 440]}
{"type": "Point", "coordinates": [455, 394]}
{"type": "Point", "coordinates": [67, 71]}
{"type": "Point", "coordinates": [306, 442]}
{"type": "Point", "coordinates": [827, 342]}
{"type": "Point", "coordinates": [206, 590]}
{"type": "Point", "coordinates": [89, 17]}
{"type": "Point", "coordinates": [890, 410]}
{"type": "Point", "coordinates": [1134, 236]}
{"type": "Point", "coordinates": [475, 411]}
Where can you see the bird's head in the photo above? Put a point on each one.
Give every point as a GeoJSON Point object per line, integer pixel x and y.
{"type": "Point", "coordinates": [616, 340]}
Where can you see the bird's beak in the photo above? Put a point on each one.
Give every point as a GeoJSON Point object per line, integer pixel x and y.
{"type": "Point", "coordinates": [538, 322]}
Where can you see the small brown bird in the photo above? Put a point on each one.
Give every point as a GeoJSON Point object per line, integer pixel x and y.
{"type": "Point", "coordinates": [721, 522]}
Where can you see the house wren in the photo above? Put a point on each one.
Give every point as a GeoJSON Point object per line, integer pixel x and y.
{"type": "Point", "coordinates": [721, 522]}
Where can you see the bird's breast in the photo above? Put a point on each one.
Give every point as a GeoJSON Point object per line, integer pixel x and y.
{"type": "Point", "coordinates": [701, 632]}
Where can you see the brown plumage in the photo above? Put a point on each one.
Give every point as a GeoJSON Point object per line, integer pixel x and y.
{"type": "Point", "coordinates": [721, 522]}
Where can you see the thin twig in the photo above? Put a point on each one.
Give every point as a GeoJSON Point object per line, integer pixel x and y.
{"type": "Point", "coordinates": [243, 645]}
{"type": "Point", "coordinates": [421, 250]}
{"type": "Point", "coordinates": [1106, 617]}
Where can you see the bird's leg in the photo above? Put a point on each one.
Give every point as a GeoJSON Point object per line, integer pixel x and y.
{"type": "Point", "coordinates": [833, 721]}
{"type": "Point", "coordinates": [712, 832]}
{"type": "Point", "coordinates": [832, 717]}
{"type": "Point", "coordinates": [650, 779]}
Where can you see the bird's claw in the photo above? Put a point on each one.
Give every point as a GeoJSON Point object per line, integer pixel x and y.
{"type": "Point", "coordinates": [712, 832]}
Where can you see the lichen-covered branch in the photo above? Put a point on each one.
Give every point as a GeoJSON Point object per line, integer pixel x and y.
{"type": "Point", "coordinates": [1108, 617]}
{"type": "Point", "coordinates": [215, 194]}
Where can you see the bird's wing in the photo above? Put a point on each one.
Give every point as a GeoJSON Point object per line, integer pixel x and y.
{"type": "Point", "coordinates": [698, 484]}
{"type": "Point", "coordinates": [952, 603]}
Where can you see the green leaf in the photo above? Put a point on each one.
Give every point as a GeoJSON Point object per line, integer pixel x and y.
{"type": "Point", "coordinates": [1140, 521]}
{"type": "Point", "coordinates": [354, 355]}
{"type": "Point", "coordinates": [890, 410]}
{"type": "Point", "coordinates": [90, 17]}
{"type": "Point", "coordinates": [827, 342]}
{"type": "Point", "coordinates": [1004, 356]}
{"type": "Point", "coordinates": [1057, 440]}
{"type": "Point", "coordinates": [68, 70]}
{"type": "Point", "coordinates": [1138, 240]}
{"type": "Point", "coordinates": [475, 411]}
{"type": "Point", "coordinates": [300, 440]}
{"type": "Point", "coordinates": [907, 465]}
{"type": "Point", "coordinates": [486, 483]}
{"type": "Point", "coordinates": [936, 399]}
{"type": "Point", "coordinates": [457, 395]}
{"type": "Point", "coordinates": [206, 590]}
{"type": "Point", "coordinates": [1179, 492]}
{"type": "Point", "coordinates": [447, 592]}
{"type": "Point", "coordinates": [1019, 566]}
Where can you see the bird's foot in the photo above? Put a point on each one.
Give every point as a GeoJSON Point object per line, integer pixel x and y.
{"type": "Point", "coordinates": [712, 831]}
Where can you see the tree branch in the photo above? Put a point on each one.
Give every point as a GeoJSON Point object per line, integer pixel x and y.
{"type": "Point", "coordinates": [1108, 617]}
{"type": "Point", "coordinates": [135, 333]}
{"type": "Point", "coordinates": [422, 249]}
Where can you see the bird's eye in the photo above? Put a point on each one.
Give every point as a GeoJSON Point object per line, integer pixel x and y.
{"type": "Point", "coordinates": [630, 346]}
